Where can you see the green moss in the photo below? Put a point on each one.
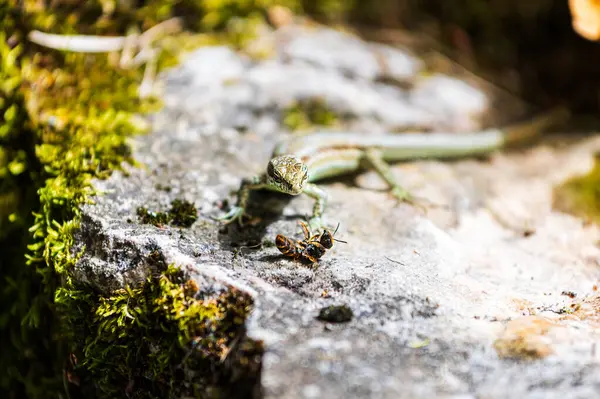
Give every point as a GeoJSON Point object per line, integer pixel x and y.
{"type": "Point", "coordinates": [580, 195]}
{"type": "Point", "coordinates": [157, 219]}
{"type": "Point", "coordinates": [334, 10]}
{"type": "Point", "coordinates": [162, 187]}
{"type": "Point", "coordinates": [266, 243]}
{"type": "Point", "coordinates": [180, 336]}
{"type": "Point", "coordinates": [182, 213]}
{"type": "Point", "coordinates": [219, 14]}
{"type": "Point", "coordinates": [336, 314]}
{"type": "Point", "coordinates": [303, 115]}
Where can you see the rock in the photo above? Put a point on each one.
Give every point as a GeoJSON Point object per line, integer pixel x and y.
{"type": "Point", "coordinates": [348, 55]}
{"type": "Point", "coordinates": [397, 64]}
{"type": "Point", "coordinates": [452, 100]}
{"type": "Point", "coordinates": [430, 293]}
{"type": "Point", "coordinates": [337, 51]}
{"type": "Point", "coordinates": [282, 84]}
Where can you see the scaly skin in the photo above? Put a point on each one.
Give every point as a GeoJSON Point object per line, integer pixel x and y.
{"type": "Point", "coordinates": [301, 160]}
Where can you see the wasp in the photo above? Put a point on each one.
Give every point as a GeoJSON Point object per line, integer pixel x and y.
{"type": "Point", "coordinates": [309, 250]}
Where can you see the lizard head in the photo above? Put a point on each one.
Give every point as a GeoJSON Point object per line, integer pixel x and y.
{"type": "Point", "coordinates": [287, 174]}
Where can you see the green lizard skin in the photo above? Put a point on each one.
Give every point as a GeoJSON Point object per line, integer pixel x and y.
{"type": "Point", "coordinates": [300, 161]}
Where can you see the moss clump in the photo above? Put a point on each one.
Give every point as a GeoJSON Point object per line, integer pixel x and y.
{"type": "Point", "coordinates": [336, 314]}
{"type": "Point", "coordinates": [525, 338]}
{"type": "Point", "coordinates": [157, 219]}
{"type": "Point", "coordinates": [161, 339]}
{"type": "Point", "coordinates": [580, 195]}
{"type": "Point", "coordinates": [305, 114]}
{"type": "Point", "coordinates": [182, 213]}
{"type": "Point", "coordinates": [162, 187]}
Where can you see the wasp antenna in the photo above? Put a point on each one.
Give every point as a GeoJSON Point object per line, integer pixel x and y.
{"type": "Point", "coordinates": [345, 242]}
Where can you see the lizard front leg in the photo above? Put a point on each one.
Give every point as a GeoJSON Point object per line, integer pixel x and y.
{"type": "Point", "coordinates": [320, 197]}
{"type": "Point", "coordinates": [239, 210]}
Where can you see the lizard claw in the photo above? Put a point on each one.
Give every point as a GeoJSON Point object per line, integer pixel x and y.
{"type": "Point", "coordinates": [235, 213]}
{"type": "Point", "coordinates": [402, 195]}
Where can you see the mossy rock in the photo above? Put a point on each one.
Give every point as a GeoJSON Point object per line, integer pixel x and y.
{"type": "Point", "coordinates": [580, 195]}
{"type": "Point", "coordinates": [65, 119]}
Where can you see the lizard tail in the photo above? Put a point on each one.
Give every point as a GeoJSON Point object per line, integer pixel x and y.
{"type": "Point", "coordinates": [525, 131]}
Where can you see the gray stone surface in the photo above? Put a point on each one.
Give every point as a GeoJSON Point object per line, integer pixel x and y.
{"type": "Point", "coordinates": [430, 292]}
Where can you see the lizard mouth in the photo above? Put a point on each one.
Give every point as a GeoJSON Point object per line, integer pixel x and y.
{"type": "Point", "coordinates": [294, 190]}
{"type": "Point", "coordinates": [287, 187]}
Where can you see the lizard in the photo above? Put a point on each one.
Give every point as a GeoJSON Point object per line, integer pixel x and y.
{"type": "Point", "coordinates": [299, 161]}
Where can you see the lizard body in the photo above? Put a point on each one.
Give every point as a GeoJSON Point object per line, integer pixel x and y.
{"type": "Point", "coordinates": [299, 161]}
